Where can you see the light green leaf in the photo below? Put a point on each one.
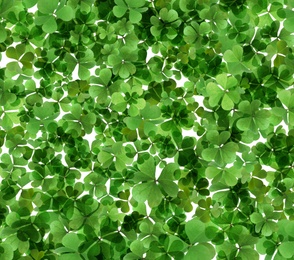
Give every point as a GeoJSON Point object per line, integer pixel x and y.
{"type": "Point", "coordinates": [119, 11]}
{"type": "Point", "coordinates": [137, 248]}
{"type": "Point", "coordinates": [50, 26]}
{"type": "Point", "coordinates": [76, 111]}
{"type": "Point", "coordinates": [228, 152]}
{"type": "Point", "coordinates": [195, 230]}
{"type": "Point", "coordinates": [44, 111]}
{"type": "Point", "coordinates": [147, 168]}
{"type": "Point", "coordinates": [133, 122]}
{"type": "Point", "coordinates": [147, 191]}
{"type": "Point", "coordinates": [83, 72]}
{"type": "Point", "coordinates": [3, 33]}
{"type": "Point", "coordinates": [234, 55]}
{"type": "Point", "coordinates": [6, 251]}
{"type": "Point", "coordinates": [209, 154]}
{"type": "Point", "coordinates": [47, 7]}
{"type": "Point", "coordinates": [155, 196]}
{"type": "Point", "coordinates": [244, 124]}
{"type": "Point", "coordinates": [166, 179]}
{"type": "Point", "coordinates": [227, 103]}
{"type": "Point", "coordinates": [105, 76]}
{"type": "Point", "coordinates": [151, 112]}
{"type": "Point", "coordinates": [215, 94]}
{"type": "Point", "coordinates": [135, 16]}
{"type": "Point", "coordinates": [286, 249]}
{"type": "Point", "coordinates": [256, 218]}
{"type": "Point", "coordinates": [65, 13]}
{"type": "Point", "coordinates": [205, 250]}
{"type": "Point", "coordinates": [72, 241]}
{"type": "Point", "coordinates": [58, 231]}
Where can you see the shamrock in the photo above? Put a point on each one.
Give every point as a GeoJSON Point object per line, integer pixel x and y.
{"type": "Point", "coordinates": [166, 23]}
{"type": "Point", "coordinates": [219, 150]}
{"type": "Point", "coordinates": [226, 90]}
{"type": "Point", "coordinates": [123, 62]}
{"type": "Point", "coordinates": [135, 9]}
{"type": "Point", "coordinates": [152, 188]}
{"type": "Point", "coordinates": [254, 118]}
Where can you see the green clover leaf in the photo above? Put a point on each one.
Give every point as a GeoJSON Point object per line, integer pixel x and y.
{"type": "Point", "coordinates": [135, 9]}
{"type": "Point", "coordinates": [221, 151]}
{"type": "Point", "coordinates": [234, 60]}
{"type": "Point", "coordinates": [226, 91]}
{"type": "Point", "coordinates": [123, 63]}
{"type": "Point", "coordinates": [254, 118]}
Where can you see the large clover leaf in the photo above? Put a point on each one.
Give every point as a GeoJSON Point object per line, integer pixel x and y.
{"type": "Point", "coordinates": [265, 223]}
{"type": "Point", "coordinates": [234, 60]}
{"type": "Point", "coordinates": [150, 188]}
{"type": "Point", "coordinates": [220, 150]}
{"type": "Point", "coordinates": [167, 21]}
{"type": "Point", "coordinates": [254, 118]}
{"type": "Point", "coordinates": [84, 60]}
{"type": "Point", "coordinates": [123, 63]}
{"type": "Point", "coordinates": [128, 96]}
{"type": "Point", "coordinates": [226, 90]}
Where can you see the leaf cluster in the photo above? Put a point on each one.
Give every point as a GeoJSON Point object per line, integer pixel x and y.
{"type": "Point", "coordinates": [190, 109]}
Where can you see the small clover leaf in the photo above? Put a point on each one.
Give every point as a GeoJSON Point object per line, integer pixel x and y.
{"type": "Point", "coordinates": [46, 7]}
{"type": "Point", "coordinates": [216, 17]}
{"type": "Point", "coordinates": [45, 16]}
{"type": "Point", "coordinates": [206, 249]}
{"type": "Point", "coordinates": [229, 176]}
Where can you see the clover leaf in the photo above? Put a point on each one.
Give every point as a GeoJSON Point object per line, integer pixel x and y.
{"type": "Point", "coordinates": [265, 224]}
{"type": "Point", "coordinates": [128, 97]}
{"type": "Point", "coordinates": [101, 87]}
{"type": "Point", "coordinates": [167, 21]}
{"type": "Point", "coordinates": [225, 90]}
{"type": "Point", "coordinates": [200, 232]}
{"type": "Point", "coordinates": [135, 9]}
{"type": "Point", "coordinates": [84, 60]}
{"type": "Point", "coordinates": [77, 123]}
{"type": "Point", "coordinates": [45, 17]}
{"type": "Point", "coordinates": [206, 249]}
{"type": "Point", "coordinates": [20, 55]}
{"type": "Point", "coordinates": [123, 63]}
{"type": "Point", "coordinates": [195, 32]}
{"type": "Point", "coordinates": [220, 150]}
{"type": "Point", "coordinates": [254, 118]}
{"type": "Point", "coordinates": [149, 189]}
{"type": "Point", "coordinates": [234, 60]}
{"type": "Point", "coordinates": [286, 98]}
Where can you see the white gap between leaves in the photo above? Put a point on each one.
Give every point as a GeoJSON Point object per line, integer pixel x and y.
{"type": "Point", "coordinates": [33, 9]}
